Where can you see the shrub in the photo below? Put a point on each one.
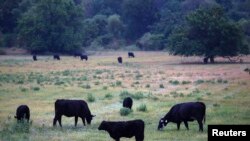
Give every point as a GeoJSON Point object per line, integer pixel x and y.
{"type": "Point", "coordinates": [108, 96]}
{"type": "Point", "coordinates": [90, 98]}
{"type": "Point", "coordinates": [24, 89]}
{"type": "Point", "coordinates": [118, 83]}
{"type": "Point", "coordinates": [125, 111]}
{"type": "Point", "coordinates": [142, 108]}
{"type": "Point", "coordinates": [147, 86]}
{"type": "Point", "coordinates": [87, 86]}
{"type": "Point", "coordinates": [161, 86]}
{"type": "Point", "coordinates": [185, 82]}
{"type": "Point", "coordinates": [124, 94]}
{"type": "Point", "coordinates": [138, 96]}
{"type": "Point", "coordinates": [174, 82]}
{"type": "Point", "coordinates": [35, 88]}
{"type": "Point", "coordinates": [104, 87]}
{"type": "Point", "coordinates": [199, 81]}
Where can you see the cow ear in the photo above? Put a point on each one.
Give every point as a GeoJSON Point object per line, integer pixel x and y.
{"type": "Point", "coordinates": [93, 115]}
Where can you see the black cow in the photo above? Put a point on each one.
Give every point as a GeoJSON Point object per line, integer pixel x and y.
{"type": "Point", "coordinates": [126, 129]}
{"type": "Point", "coordinates": [127, 102]}
{"type": "Point", "coordinates": [84, 57]}
{"type": "Point", "coordinates": [34, 58]}
{"type": "Point", "coordinates": [119, 60]}
{"type": "Point", "coordinates": [72, 108]}
{"type": "Point", "coordinates": [23, 112]}
{"type": "Point", "coordinates": [56, 57]}
{"type": "Point", "coordinates": [131, 54]}
{"type": "Point", "coordinates": [185, 112]}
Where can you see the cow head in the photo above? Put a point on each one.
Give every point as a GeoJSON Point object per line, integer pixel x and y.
{"type": "Point", "coordinates": [102, 126]}
{"type": "Point", "coordinates": [89, 118]}
{"type": "Point", "coordinates": [163, 122]}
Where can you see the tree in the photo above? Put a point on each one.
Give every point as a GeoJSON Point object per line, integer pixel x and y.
{"type": "Point", "coordinates": [210, 34]}
{"type": "Point", "coordinates": [115, 26]}
{"type": "Point", "coordinates": [51, 25]}
{"type": "Point", "coordinates": [138, 16]}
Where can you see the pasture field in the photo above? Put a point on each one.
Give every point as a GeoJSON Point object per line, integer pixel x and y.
{"type": "Point", "coordinates": [155, 81]}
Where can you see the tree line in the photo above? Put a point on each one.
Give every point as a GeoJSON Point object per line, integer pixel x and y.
{"type": "Point", "coordinates": [206, 28]}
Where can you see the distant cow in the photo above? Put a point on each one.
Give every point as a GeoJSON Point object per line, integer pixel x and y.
{"type": "Point", "coordinates": [84, 57]}
{"type": "Point", "coordinates": [34, 58]}
{"type": "Point", "coordinates": [22, 113]}
{"type": "Point", "coordinates": [119, 60]}
{"type": "Point", "coordinates": [127, 102]}
{"type": "Point", "coordinates": [131, 54]}
{"type": "Point", "coordinates": [72, 108]}
{"type": "Point", "coordinates": [126, 129]}
{"type": "Point", "coordinates": [56, 57]}
{"type": "Point", "coordinates": [185, 112]}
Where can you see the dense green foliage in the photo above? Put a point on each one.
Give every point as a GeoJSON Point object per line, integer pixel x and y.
{"type": "Point", "coordinates": [208, 33]}
{"type": "Point", "coordinates": [70, 25]}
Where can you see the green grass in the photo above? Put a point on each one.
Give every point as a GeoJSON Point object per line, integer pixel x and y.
{"type": "Point", "coordinates": [142, 108]}
{"type": "Point", "coordinates": [39, 84]}
{"type": "Point", "coordinates": [125, 111]}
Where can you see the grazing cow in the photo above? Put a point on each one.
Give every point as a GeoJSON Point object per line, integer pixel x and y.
{"type": "Point", "coordinates": [56, 57]}
{"type": "Point", "coordinates": [34, 58]}
{"type": "Point", "coordinates": [127, 102]}
{"type": "Point", "coordinates": [119, 60]}
{"type": "Point", "coordinates": [126, 129]}
{"type": "Point", "coordinates": [131, 54]}
{"type": "Point", "coordinates": [72, 108]}
{"type": "Point", "coordinates": [84, 57]}
{"type": "Point", "coordinates": [185, 112]}
{"type": "Point", "coordinates": [23, 112]}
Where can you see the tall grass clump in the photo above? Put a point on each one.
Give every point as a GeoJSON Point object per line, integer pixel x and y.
{"type": "Point", "coordinates": [142, 108]}
{"type": "Point", "coordinates": [90, 98]}
{"type": "Point", "coordinates": [125, 111]}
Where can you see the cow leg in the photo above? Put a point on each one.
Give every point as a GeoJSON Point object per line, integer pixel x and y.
{"type": "Point", "coordinates": [76, 119]}
{"type": "Point", "coordinates": [55, 120]}
{"type": "Point", "coordinates": [186, 124]}
{"type": "Point", "coordinates": [60, 120]}
{"type": "Point", "coordinates": [117, 139]}
{"type": "Point", "coordinates": [83, 121]}
{"type": "Point", "coordinates": [138, 138]}
{"type": "Point", "coordinates": [178, 125]}
{"type": "Point", "coordinates": [200, 125]}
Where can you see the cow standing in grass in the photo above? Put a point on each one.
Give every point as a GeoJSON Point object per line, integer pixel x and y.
{"type": "Point", "coordinates": [72, 108]}
{"type": "Point", "coordinates": [119, 60]}
{"type": "Point", "coordinates": [22, 113]}
{"type": "Point", "coordinates": [126, 129]}
{"type": "Point", "coordinates": [56, 57]}
{"type": "Point", "coordinates": [131, 54]}
{"type": "Point", "coordinates": [84, 57]}
{"type": "Point", "coordinates": [34, 58]}
{"type": "Point", "coordinates": [185, 112]}
{"type": "Point", "coordinates": [127, 102]}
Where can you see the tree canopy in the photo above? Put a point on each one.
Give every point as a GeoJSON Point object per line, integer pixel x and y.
{"type": "Point", "coordinates": [68, 25]}
{"type": "Point", "coordinates": [52, 26]}
{"type": "Point", "coordinates": [208, 33]}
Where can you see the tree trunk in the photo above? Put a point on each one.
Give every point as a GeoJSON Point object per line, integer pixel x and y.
{"type": "Point", "coordinates": [205, 60]}
{"type": "Point", "coordinates": [211, 59]}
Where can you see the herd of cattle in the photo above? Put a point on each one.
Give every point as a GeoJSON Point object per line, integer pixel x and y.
{"type": "Point", "coordinates": [182, 112]}
{"type": "Point", "coordinates": [85, 57]}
